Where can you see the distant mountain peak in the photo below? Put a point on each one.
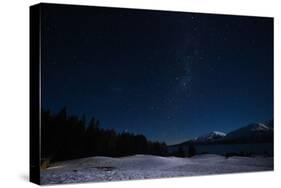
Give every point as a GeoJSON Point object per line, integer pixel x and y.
{"type": "Point", "coordinates": [255, 132]}
{"type": "Point", "coordinates": [211, 136]}
{"type": "Point", "coordinates": [218, 133]}
{"type": "Point", "coordinates": [258, 127]}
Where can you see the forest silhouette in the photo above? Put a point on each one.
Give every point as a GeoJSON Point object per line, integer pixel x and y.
{"type": "Point", "coordinates": [65, 136]}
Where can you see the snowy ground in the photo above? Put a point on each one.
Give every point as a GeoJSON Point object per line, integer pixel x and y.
{"type": "Point", "coordinates": [96, 169]}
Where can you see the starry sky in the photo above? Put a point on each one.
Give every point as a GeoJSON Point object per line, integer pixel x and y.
{"type": "Point", "coordinates": [171, 76]}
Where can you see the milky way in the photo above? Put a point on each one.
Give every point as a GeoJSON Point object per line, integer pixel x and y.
{"type": "Point", "coordinates": [170, 76]}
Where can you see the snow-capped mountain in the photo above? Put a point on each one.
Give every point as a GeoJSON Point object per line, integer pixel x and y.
{"type": "Point", "coordinates": [252, 133]}
{"type": "Point", "coordinates": [256, 132]}
{"type": "Point", "coordinates": [210, 137]}
{"type": "Point", "coordinates": [256, 138]}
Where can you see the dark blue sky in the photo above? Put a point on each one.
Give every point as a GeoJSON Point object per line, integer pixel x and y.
{"type": "Point", "coordinates": [168, 75]}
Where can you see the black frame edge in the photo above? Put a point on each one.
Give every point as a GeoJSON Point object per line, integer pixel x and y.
{"type": "Point", "coordinates": [34, 100]}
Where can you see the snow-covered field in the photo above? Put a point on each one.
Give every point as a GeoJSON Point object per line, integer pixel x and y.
{"type": "Point", "coordinates": [96, 169]}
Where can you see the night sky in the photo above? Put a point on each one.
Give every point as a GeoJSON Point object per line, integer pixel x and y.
{"type": "Point", "coordinates": [168, 75]}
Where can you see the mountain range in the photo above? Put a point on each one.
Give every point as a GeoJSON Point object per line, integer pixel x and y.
{"type": "Point", "coordinates": [252, 133]}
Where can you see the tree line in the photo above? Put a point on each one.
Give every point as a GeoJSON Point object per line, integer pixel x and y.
{"type": "Point", "coordinates": [65, 136]}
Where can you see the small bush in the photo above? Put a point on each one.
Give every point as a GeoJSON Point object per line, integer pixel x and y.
{"type": "Point", "coordinates": [45, 163]}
